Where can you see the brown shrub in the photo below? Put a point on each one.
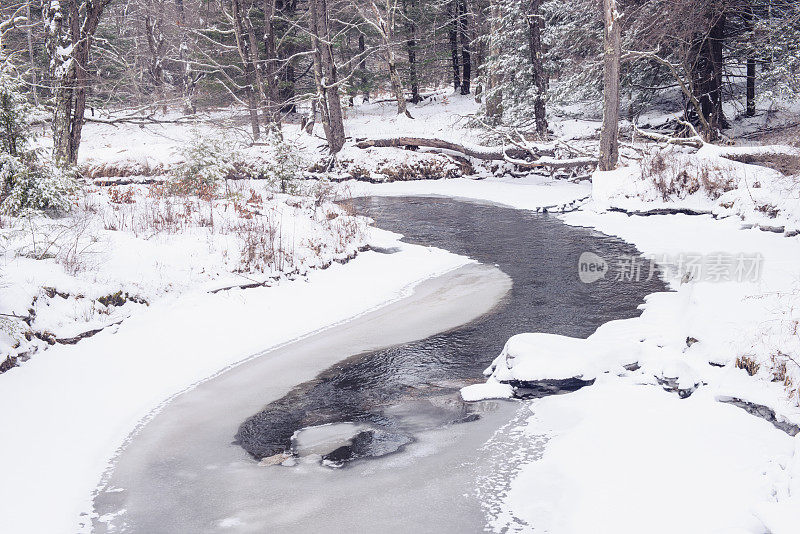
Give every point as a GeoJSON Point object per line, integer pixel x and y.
{"type": "Point", "coordinates": [673, 177]}
{"type": "Point", "coordinates": [747, 363]}
{"type": "Point", "coordinates": [770, 210]}
{"type": "Point", "coordinates": [117, 196]}
{"type": "Point", "coordinates": [120, 169]}
{"type": "Point", "coordinates": [357, 172]}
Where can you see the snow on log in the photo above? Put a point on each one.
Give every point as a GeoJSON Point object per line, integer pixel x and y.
{"type": "Point", "coordinates": [531, 156]}
{"type": "Point", "coordinates": [694, 141]}
{"type": "Point", "coordinates": [761, 154]}
{"type": "Point", "coordinates": [554, 163]}
{"type": "Point", "coordinates": [468, 149]}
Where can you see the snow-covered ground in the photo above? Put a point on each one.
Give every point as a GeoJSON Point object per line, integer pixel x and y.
{"type": "Point", "coordinates": [624, 451]}
{"type": "Point", "coordinates": [626, 454]}
{"type": "Point", "coordinates": [70, 407]}
{"type": "Point", "coordinates": [126, 247]}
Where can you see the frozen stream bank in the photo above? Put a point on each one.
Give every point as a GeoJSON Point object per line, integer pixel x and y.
{"type": "Point", "coordinates": [182, 473]}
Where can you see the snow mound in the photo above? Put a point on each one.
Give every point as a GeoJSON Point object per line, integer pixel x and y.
{"type": "Point", "coordinates": [625, 457]}
{"type": "Point", "coordinates": [487, 390]}
{"type": "Point", "coordinates": [538, 356]}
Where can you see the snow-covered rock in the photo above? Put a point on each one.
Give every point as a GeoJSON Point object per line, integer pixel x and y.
{"type": "Point", "coordinates": [487, 390]}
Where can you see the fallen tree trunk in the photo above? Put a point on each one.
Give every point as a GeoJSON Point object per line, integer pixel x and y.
{"type": "Point", "coordinates": [468, 149]}
{"type": "Point", "coordinates": [530, 156]}
{"type": "Point", "coordinates": [783, 158]}
{"type": "Point", "coordinates": [554, 163]}
{"type": "Point", "coordinates": [695, 141]}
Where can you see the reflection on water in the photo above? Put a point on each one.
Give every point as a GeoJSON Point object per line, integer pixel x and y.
{"type": "Point", "coordinates": [409, 388]}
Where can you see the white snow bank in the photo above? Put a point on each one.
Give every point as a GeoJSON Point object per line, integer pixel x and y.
{"type": "Point", "coordinates": [782, 514]}
{"type": "Point", "coordinates": [487, 390]}
{"type": "Point", "coordinates": [626, 458]}
{"type": "Point", "coordinates": [531, 192]}
{"type": "Point", "coordinates": [141, 244]}
{"type": "Point", "coordinates": [704, 181]}
{"type": "Point", "coordinates": [68, 409]}
{"type": "Point", "coordinates": [537, 356]}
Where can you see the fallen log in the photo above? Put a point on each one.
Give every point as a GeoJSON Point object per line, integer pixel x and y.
{"type": "Point", "coordinates": [695, 141]}
{"type": "Point", "coordinates": [785, 159]}
{"type": "Point", "coordinates": [468, 149]}
{"type": "Point", "coordinates": [530, 156]}
{"type": "Point", "coordinates": [554, 163]}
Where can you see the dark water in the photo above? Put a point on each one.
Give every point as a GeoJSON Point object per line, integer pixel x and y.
{"type": "Point", "coordinates": [407, 388]}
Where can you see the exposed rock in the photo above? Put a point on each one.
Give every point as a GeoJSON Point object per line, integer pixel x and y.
{"type": "Point", "coordinates": [524, 389]}
{"type": "Point", "coordinates": [368, 443]}
{"type": "Point", "coordinates": [764, 412]}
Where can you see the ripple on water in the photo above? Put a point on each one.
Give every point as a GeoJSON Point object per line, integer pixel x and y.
{"type": "Point", "coordinates": [400, 391]}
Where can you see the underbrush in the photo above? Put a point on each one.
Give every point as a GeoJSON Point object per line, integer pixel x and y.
{"type": "Point", "coordinates": [125, 246]}
{"type": "Point", "coordinates": [774, 352]}
{"type": "Point", "coordinates": [427, 169]}
{"type": "Point", "coordinates": [411, 166]}
{"type": "Point", "coordinates": [212, 159]}
{"type": "Point", "coordinates": [676, 176]}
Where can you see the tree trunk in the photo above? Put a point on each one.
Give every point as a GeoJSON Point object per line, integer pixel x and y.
{"type": "Point", "coordinates": [410, 12]}
{"type": "Point", "coordinates": [751, 66]}
{"type": "Point", "coordinates": [285, 24]}
{"type": "Point", "coordinates": [68, 36]}
{"type": "Point", "coordinates": [397, 84]}
{"type": "Point", "coordinates": [479, 30]}
{"type": "Point", "coordinates": [452, 33]}
{"type": "Point", "coordinates": [325, 76]}
{"type": "Point", "coordinates": [384, 23]}
{"type": "Point", "coordinates": [494, 78]}
{"type": "Point", "coordinates": [188, 79]}
{"type": "Point", "coordinates": [155, 45]}
{"type": "Point", "coordinates": [706, 75]}
{"type": "Point", "coordinates": [272, 104]}
{"type": "Point", "coordinates": [239, 13]}
{"type": "Point", "coordinates": [463, 31]}
{"type": "Point", "coordinates": [363, 77]}
{"type": "Point", "coordinates": [716, 41]}
{"type": "Point", "coordinates": [612, 35]}
{"type": "Point", "coordinates": [31, 57]}
{"type": "Point", "coordinates": [535, 23]}
{"type": "Point", "coordinates": [751, 87]}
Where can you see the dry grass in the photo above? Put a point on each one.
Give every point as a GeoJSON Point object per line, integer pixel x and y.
{"type": "Point", "coordinates": [779, 366]}
{"type": "Point", "coordinates": [261, 240]}
{"type": "Point", "coordinates": [120, 169]}
{"type": "Point", "coordinates": [675, 177]}
{"type": "Point", "coordinates": [357, 172]}
{"type": "Point", "coordinates": [260, 248]}
{"type": "Point", "coordinates": [770, 210]}
{"type": "Point", "coordinates": [747, 363]}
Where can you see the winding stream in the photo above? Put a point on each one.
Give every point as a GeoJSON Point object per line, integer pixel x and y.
{"type": "Point", "coordinates": [185, 472]}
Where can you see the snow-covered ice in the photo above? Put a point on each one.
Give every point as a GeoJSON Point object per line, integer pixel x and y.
{"type": "Point", "coordinates": [75, 405]}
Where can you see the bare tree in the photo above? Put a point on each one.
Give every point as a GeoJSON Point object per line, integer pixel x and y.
{"type": "Point", "coordinates": [245, 39]}
{"type": "Point", "coordinates": [612, 35]}
{"type": "Point", "coordinates": [410, 14]}
{"type": "Point", "coordinates": [70, 26]}
{"type": "Point", "coordinates": [535, 23]}
{"type": "Point", "coordinates": [325, 75]}
{"type": "Point", "coordinates": [463, 34]}
{"type": "Point", "coordinates": [382, 20]}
